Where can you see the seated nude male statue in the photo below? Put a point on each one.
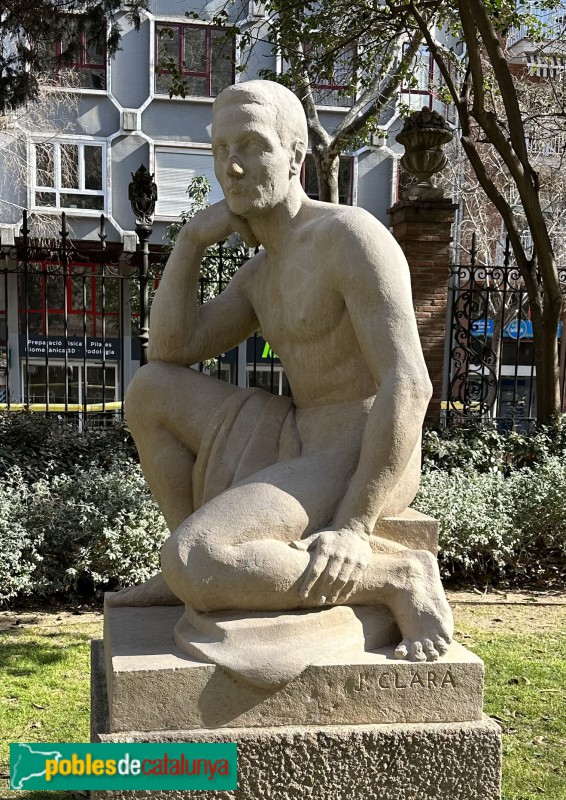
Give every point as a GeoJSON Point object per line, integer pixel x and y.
{"type": "Point", "coordinates": [272, 501]}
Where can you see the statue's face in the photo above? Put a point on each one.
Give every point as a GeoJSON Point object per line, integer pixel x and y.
{"type": "Point", "coordinates": [251, 164]}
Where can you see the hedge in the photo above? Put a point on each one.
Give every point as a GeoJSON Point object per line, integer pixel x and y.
{"type": "Point", "coordinates": [76, 517]}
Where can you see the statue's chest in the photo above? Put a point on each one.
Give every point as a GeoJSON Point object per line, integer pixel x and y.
{"type": "Point", "coordinates": [295, 303]}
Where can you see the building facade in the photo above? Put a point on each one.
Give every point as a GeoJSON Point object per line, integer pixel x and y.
{"type": "Point", "coordinates": [54, 322]}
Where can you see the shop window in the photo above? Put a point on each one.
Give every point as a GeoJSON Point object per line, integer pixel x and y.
{"type": "Point", "coordinates": [271, 380]}
{"type": "Point", "coordinates": [57, 383]}
{"type": "Point", "coordinates": [345, 179]}
{"type": "Point", "coordinates": [69, 175]}
{"type": "Point", "coordinates": [203, 56]}
{"type": "Point", "coordinates": [78, 59]}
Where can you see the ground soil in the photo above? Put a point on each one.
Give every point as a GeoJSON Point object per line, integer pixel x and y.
{"type": "Point", "coordinates": [495, 610]}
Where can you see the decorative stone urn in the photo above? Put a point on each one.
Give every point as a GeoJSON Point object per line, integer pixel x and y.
{"type": "Point", "coordinates": [423, 136]}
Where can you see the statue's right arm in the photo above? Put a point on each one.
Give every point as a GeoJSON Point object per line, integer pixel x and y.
{"type": "Point", "coordinates": [180, 331]}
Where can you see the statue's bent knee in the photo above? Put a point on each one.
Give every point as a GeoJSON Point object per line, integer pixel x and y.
{"type": "Point", "coordinates": [142, 394]}
{"type": "Point", "coordinates": [187, 566]}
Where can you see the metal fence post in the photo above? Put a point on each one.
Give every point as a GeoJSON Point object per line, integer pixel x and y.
{"type": "Point", "coordinates": [142, 193]}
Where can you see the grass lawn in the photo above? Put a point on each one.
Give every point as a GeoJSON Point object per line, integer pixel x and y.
{"type": "Point", "coordinates": [44, 694]}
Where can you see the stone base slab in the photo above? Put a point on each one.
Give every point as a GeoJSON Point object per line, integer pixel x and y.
{"type": "Point", "coordinates": [153, 685]}
{"type": "Point", "coordinates": [437, 761]}
{"type": "Point", "coordinates": [411, 529]}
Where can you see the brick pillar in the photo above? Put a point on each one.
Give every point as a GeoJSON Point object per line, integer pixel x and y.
{"type": "Point", "coordinates": [423, 229]}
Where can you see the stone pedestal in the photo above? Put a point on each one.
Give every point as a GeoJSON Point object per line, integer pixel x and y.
{"type": "Point", "coordinates": [355, 724]}
{"type": "Point", "coordinates": [343, 730]}
{"type": "Point", "coordinates": [395, 761]}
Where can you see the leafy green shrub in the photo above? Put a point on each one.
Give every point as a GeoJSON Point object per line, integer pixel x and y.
{"type": "Point", "coordinates": [538, 500]}
{"type": "Point", "coordinates": [76, 516]}
{"type": "Point", "coordinates": [493, 525]}
{"type": "Point", "coordinates": [18, 549]}
{"type": "Point", "coordinates": [97, 530]}
{"type": "Point", "coordinates": [41, 444]}
{"type": "Point", "coordinates": [475, 521]}
{"type": "Point", "coordinates": [482, 447]}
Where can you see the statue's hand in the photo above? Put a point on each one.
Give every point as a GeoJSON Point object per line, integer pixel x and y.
{"type": "Point", "coordinates": [214, 224]}
{"type": "Point", "coordinates": [339, 560]}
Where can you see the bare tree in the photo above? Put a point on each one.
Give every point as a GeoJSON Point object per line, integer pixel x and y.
{"type": "Point", "coordinates": [497, 134]}
{"type": "Point", "coordinates": [52, 114]}
{"type": "Point", "coordinates": [350, 53]}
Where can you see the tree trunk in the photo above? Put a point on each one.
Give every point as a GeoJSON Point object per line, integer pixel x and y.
{"type": "Point", "coordinates": [545, 339]}
{"type": "Point", "coordinates": [562, 364]}
{"type": "Point", "coordinates": [327, 166]}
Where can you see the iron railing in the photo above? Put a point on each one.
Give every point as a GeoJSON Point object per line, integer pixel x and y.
{"type": "Point", "coordinates": [491, 372]}
{"type": "Point", "coordinates": [72, 318]}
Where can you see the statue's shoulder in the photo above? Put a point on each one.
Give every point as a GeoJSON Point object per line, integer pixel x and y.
{"type": "Point", "coordinates": [350, 221]}
{"type": "Point", "coordinates": [248, 269]}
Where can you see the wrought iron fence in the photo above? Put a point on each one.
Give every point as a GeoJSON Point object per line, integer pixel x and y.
{"type": "Point", "coordinates": [73, 316]}
{"type": "Point", "coordinates": [492, 374]}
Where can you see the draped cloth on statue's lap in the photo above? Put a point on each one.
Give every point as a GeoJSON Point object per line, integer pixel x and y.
{"type": "Point", "coordinates": [251, 430]}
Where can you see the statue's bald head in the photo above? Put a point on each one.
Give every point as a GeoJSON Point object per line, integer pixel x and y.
{"type": "Point", "coordinates": [288, 116]}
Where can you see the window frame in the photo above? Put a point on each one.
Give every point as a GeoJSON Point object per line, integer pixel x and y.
{"type": "Point", "coordinates": [341, 101]}
{"type": "Point", "coordinates": [343, 104]}
{"type": "Point", "coordinates": [344, 157]}
{"type": "Point", "coordinates": [93, 312]}
{"type": "Point", "coordinates": [406, 91]}
{"type": "Point", "coordinates": [81, 64]}
{"type": "Point", "coordinates": [58, 189]}
{"type": "Point", "coordinates": [182, 27]}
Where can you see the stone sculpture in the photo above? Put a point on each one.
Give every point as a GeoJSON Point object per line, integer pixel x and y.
{"type": "Point", "coordinates": [272, 502]}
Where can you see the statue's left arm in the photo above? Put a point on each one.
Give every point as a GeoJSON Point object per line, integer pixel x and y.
{"type": "Point", "coordinates": [372, 275]}
{"type": "Point", "coordinates": [377, 291]}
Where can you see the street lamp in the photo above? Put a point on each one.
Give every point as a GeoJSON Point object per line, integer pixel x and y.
{"type": "Point", "coordinates": [142, 193]}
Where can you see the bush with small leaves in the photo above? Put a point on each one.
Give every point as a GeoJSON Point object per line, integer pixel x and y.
{"type": "Point", "coordinates": [476, 530]}
{"type": "Point", "coordinates": [44, 445]}
{"type": "Point", "coordinates": [99, 529]}
{"type": "Point", "coordinates": [538, 500]}
{"type": "Point", "coordinates": [19, 555]}
{"type": "Point", "coordinates": [481, 446]}
{"type": "Point", "coordinates": [494, 525]}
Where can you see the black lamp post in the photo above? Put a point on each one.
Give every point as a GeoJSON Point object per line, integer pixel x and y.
{"type": "Point", "coordinates": [142, 193]}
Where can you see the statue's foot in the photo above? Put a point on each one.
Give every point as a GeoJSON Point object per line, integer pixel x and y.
{"type": "Point", "coordinates": [422, 612]}
{"type": "Point", "coordinates": [154, 592]}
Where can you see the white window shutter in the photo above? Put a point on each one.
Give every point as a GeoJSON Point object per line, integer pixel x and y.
{"type": "Point", "coordinates": [174, 170]}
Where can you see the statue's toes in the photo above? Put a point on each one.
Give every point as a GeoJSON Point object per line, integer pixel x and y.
{"type": "Point", "coordinates": [430, 650]}
{"type": "Point", "coordinates": [402, 649]}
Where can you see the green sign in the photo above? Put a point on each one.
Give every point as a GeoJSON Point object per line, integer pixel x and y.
{"type": "Point", "coordinates": [211, 766]}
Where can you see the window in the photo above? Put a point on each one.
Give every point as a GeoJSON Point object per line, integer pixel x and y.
{"type": "Point", "coordinates": [51, 383]}
{"type": "Point", "coordinates": [416, 90]}
{"type": "Point", "coordinates": [546, 65]}
{"type": "Point", "coordinates": [174, 170]}
{"type": "Point", "coordinates": [203, 56]}
{"type": "Point", "coordinates": [330, 91]}
{"type": "Point", "coordinates": [345, 179]}
{"type": "Point", "coordinates": [78, 301]}
{"type": "Point", "coordinates": [79, 60]}
{"type": "Point", "coordinates": [69, 175]}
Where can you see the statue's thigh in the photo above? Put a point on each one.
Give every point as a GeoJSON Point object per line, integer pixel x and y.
{"type": "Point", "coordinates": [179, 399]}
{"type": "Point", "coordinates": [284, 501]}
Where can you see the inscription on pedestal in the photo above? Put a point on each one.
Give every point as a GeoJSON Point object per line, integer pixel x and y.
{"type": "Point", "coordinates": [397, 680]}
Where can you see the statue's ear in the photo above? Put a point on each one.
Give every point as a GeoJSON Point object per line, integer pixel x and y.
{"type": "Point", "coordinates": [299, 151]}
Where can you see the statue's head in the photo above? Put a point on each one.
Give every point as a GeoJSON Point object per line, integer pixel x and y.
{"type": "Point", "coordinates": [259, 141]}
